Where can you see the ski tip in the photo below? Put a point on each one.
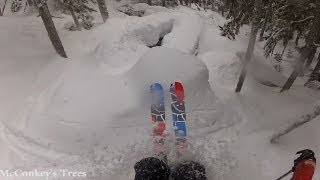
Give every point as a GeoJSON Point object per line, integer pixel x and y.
{"type": "Point", "coordinates": [156, 86]}
{"type": "Point", "coordinates": [178, 90]}
{"type": "Point", "coordinates": [177, 86]}
{"type": "Point", "coordinates": [157, 93]}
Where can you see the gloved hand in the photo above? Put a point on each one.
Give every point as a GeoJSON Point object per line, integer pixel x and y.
{"type": "Point", "coordinates": [306, 154]}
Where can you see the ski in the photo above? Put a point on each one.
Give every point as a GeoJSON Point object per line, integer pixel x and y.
{"type": "Point", "coordinates": [179, 115]}
{"type": "Point", "coordinates": [158, 118]}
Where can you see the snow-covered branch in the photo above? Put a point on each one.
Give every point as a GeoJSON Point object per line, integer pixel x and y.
{"type": "Point", "coordinates": [296, 122]}
{"type": "Point", "coordinates": [302, 20]}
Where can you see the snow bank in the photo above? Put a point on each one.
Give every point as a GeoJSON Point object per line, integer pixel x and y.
{"type": "Point", "coordinates": [127, 39]}
{"type": "Point", "coordinates": [211, 40]}
{"type": "Point", "coordinates": [262, 70]}
{"type": "Point", "coordinates": [213, 47]}
{"type": "Point", "coordinates": [224, 68]}
{"type": "Point", "coordinates": [179, 38]}
{"type": "Point", "coordinates": [296, 122]}
{"type": "Point", "coordinates": [91, 114]}
{"type": "Point", "coordinates": [150, 28]}
{"type": "Point", "coordinates": [94, 102]}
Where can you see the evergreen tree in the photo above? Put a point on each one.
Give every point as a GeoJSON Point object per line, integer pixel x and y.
{"type": "Point", "coordinates": [288, 18]}
{"type": "Point", "coordinates": [242, 12]}
{"type": "Point", "coordinates": [312, 38]}
{"type": "Point", "coordinates": [79, 9]}
{"type": "Point", "coordinates": [71, 5]}
{"type": "Point", "coordinates": [266, 20]}
{"type": "Point", "coordinates": [16, 6]}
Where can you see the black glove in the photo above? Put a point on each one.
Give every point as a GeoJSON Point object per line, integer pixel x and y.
{"type": "Point", "coordinates": [306, 154]}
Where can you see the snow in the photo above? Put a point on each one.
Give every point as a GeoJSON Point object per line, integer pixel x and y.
{"type": "Point", "coordinates": [263, 71]}
{"type": "Point", "coordinates": [91, 112]}
{"type": "Point", "coordinates": [185, 41]}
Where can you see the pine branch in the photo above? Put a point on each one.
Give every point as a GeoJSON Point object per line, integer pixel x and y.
{"type": "Point", "coordinates": [302, 20]}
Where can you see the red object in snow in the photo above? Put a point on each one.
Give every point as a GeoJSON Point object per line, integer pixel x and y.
{"type": "Point", "coordinates": [179, 91]}
{"type": "Point", "coordinates": [304, 170]}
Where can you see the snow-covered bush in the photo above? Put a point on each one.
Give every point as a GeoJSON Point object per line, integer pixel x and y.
{"type": "Point", "coordinates": [227, 30]}
{"type": "Point", "coordinates": [87, 20]}
{"type": "Point", "coordinates": [81, 10]}
{"type": "Point", "coordinates": [16, 6]}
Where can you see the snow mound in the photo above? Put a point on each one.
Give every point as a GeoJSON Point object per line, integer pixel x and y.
{"type": "Point", "coordinates": [224, 68]}
{"type": "Point", "coordinates": [262, 71]}
{"type": "Point", "coordinates": [126, 40]}
{"type": "Point", "coordinates": [165, 65]}
{"type": "Point", "coordinates": [179, 38]}
{"type": "Point", "coordinates": [150, 28]}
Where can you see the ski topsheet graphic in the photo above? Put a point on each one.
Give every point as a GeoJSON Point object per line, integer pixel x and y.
{"type": "Point", "coordinates": [179, 115]}
{"type": "Point", "coordinates": [158, 113]}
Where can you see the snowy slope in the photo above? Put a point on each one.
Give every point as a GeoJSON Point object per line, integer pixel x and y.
{"type": "Point", "coordinates": [263, 108]}
{"type": "Point", "coordinates": [91, 112]}
{"type": "Point", "coordinates": [80, 113]}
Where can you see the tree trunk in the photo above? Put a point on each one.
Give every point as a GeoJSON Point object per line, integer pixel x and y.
{"type": "Point", "coordinates": [263, 30]}
{"type": "Point", "coordinates": [164, 3]}
{"type": "Point", "coordinates": [284, 48]}
{"type": "Point", "coordinates": [297, 70]}
{"type": "Point", "coordinates": [298, 37]}
{"type": "Point", "coordinates": [103, 10]}
{"type": "Point", "coordinates": [4, 7]}
{"type": "Point", "coordinates": [212, 5]}
{"type": "Point", "coordinates": [75, 19]}
{"type": "Point", "coordinates": [248, 57]}
{"type": "Point", "coordinates": [310, 58]}
{"type": "Point", "coordinates": [30, 3]}
{"type": "Point", "coordinates": [295, 123]}
{"type": "Point", "coordinates": [317, 68]}
{"type": "Point", "coordinates": [204, 4]}
{"type": "Point", "coordinates": [252, 41]}
{"type": "Point", "coordinates": [51, 29]}
{"type": "Point", "coordinates": [149, 2]}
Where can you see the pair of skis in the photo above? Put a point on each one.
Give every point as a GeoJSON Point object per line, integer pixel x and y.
{"type": "Point", "coordinates": [178, 115]}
